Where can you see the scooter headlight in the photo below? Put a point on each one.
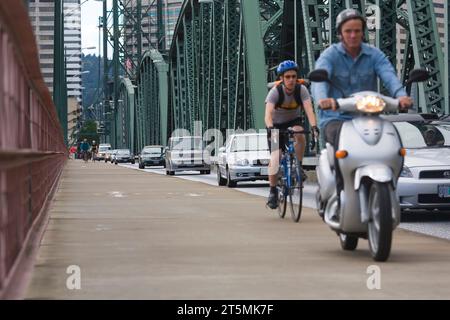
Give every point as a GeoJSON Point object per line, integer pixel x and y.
{"type": "Point", "coordinates": [370, 104]}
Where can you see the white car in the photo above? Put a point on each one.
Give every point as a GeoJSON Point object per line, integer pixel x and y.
{"type": "Point", "coordinates": [245, 157]}
{"type": "Point", "coordinates": [103, 148]}
{"type": "Point", "coordinates": [424, 182]}
{"type": "Point", "coordinates": [187, 153]}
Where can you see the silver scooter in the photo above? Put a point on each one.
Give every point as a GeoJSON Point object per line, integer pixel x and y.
{"type": "Point", "coordinates": [370, 157]}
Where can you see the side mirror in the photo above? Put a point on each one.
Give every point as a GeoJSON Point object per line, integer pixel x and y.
{"type": "Point", "coordinates": [319, 75]}
{"type": "Point", "coordinates": [418, 75]}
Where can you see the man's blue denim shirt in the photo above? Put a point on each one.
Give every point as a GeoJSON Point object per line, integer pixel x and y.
{"type": "Point", "coordinates": [353, 75]}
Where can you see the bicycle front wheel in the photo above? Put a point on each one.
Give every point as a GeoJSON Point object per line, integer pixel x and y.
{"type": "Point", "coordinates": [296, 189]}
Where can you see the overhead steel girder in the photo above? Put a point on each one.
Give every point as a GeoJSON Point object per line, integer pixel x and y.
{"type": "Point", "coordinates": [152, 100]}
{"type": "Point", "coordinates": [427, 53]}
{"type": "Point", "coordinates": [218, 66]}
{"type": "Point", "coordinates": [386, 34]}
{"type": "Point", "coordinates": [125, 116]}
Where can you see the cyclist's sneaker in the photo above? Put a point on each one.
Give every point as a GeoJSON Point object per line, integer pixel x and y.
{"type": "Point", "coordinates": [272, 202]}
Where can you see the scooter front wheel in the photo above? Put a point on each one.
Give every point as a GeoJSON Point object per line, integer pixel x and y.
{"type": "Point", "coordinates": [380, 221]}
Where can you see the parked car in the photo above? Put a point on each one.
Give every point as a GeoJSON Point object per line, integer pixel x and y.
{"type": "Point", "coordinates": [109, 155]}
{"type": "Point", "coordinates": [187, 153]}
{"type": "Point", "coordinates": [245, 157]}
{"type": "Point", "coordinates": [123, 156]}
{"type": "Point", "coordinates": [103, 148]}
{"type": "Point", "coordinates": [152, 156]}
{"type": "Point", "coordinates": [424, 182]}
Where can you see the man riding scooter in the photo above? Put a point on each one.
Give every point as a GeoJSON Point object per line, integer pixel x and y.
{"type": "Point", "coordinates": [359, 167]}
{"type": "Point", "coordinates": [355, 66]}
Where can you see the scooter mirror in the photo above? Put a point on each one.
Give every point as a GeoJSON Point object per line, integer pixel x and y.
{"type": "Point", "coordinates": [319, 75]}
{"type": "Point", "coordinates": [418, 75]}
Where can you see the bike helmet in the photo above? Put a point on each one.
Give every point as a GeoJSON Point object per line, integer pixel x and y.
{"type": "Point", "coordinates": [286, 66]}
{"type": "Point", "coordinates": [346, 15]}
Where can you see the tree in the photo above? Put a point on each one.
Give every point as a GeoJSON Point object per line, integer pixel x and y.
{"type": "Point", "coordinates": [89, 131]}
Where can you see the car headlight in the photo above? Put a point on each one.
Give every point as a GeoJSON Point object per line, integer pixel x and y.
{"type": "Point", "coordinates": [370, 104]}
{"type": "Point", "coordinates": [240, 162]}
{"type": "Point", "coordinates": [406, 173]}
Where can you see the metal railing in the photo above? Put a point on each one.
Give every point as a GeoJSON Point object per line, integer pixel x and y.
{"type": "Point", "coordinates": [32, 150]}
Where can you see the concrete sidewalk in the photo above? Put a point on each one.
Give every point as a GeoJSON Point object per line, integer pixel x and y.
{"type": "Point", "coordinates": [138, 235]}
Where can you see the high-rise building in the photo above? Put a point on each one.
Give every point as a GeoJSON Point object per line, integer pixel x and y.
{"type": "Point", "coordinates": [72, 44]}
{"type": "Point", "coordinates": [170, 12]}
{"type": "Point", "coordinates": [42, 18]}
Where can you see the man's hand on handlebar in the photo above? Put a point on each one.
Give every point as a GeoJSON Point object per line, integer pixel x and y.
{"type": "Point", "coordinates": [404, 103]}
{"type": "Point", "coordinates": [328, 103]}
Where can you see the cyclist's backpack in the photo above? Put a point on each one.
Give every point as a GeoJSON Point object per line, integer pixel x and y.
{"type": "Point", "coordinates": [297, 93]}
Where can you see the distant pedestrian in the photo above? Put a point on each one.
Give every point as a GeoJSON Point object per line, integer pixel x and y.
{"type": "Point", "coordinates": [72, 152]}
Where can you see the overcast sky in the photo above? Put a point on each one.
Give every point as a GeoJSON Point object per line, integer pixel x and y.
{"type": "Point", "coordinates": [90, 11]}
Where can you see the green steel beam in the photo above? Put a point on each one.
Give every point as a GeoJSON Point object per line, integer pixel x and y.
{"type": "Point", "coordinates": [255, 60]}
{"type": "Point", "coordinates": [334, 7]}
{"type": "Point", "coordinates": [386, 35]}
{"type": "Point", "coordinates": [314, 32]}
{"type": "Point", "coordinates": [447, 58]}
{"type": "Point", "coordinates": [218, 46]}
{"type": "Point", "coordinates": [428, 54]}
{"type": "Point", "coordinates": [116, 67]}
{"type": "Point", "coordinates": [106, 67]}
{"type": "Point", "coordinates": [205, 65]}
{"type": "Point", "coordinates": [126, 115]}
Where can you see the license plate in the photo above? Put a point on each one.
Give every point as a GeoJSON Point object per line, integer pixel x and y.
{"type": "Point", "coordinates": [444, 191]}
{"type": "Point", "coordinates": [264, 171]}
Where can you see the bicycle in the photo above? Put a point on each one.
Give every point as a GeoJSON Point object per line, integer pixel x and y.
{"type": "Point", "coordinates": [85, 156]}
{"type": "Point", "coordinates": [290, 181]}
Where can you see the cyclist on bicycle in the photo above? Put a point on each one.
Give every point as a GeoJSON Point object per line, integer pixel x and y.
{"type": "Point", "coordinates": [94, 150]}
{"type": "Point", "coordinates": [84, 147]}
{"type": "Point", "coordinates": [284, 104]}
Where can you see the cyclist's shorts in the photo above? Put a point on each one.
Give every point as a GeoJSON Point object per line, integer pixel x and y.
{"type": "Point", "coordinates": [284, 126]}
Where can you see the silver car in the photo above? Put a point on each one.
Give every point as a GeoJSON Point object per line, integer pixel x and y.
{"type": "Point", "coordinates": [187, 153]}
{"type": "Point", "coordinates": [245, 157]}
{"type": "Point", "coordinates": [425, 179]}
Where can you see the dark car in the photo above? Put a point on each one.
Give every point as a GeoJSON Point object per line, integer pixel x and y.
{"type": "Point", "coordinates": [152, 156]}
{"type": "Point", "coordinates": [123, 156]}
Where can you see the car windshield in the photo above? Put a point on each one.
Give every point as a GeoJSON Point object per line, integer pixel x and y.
{"type": "Point", "coordinates": [103, 148]}
{"type": "Point", "coordinates": [416, 135]}
{"type": "Point", "coordinates": [188, 143]}
{"type": "Point", "coordinates": [249, 143]}
{"type": "Point", "coordinates": [123, 152]}
{"type": "Point", "coordinates": [157, 150]}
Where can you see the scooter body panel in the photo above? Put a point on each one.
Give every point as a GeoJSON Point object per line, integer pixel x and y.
{"type": "Point", "coordinates": [373, 149]}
